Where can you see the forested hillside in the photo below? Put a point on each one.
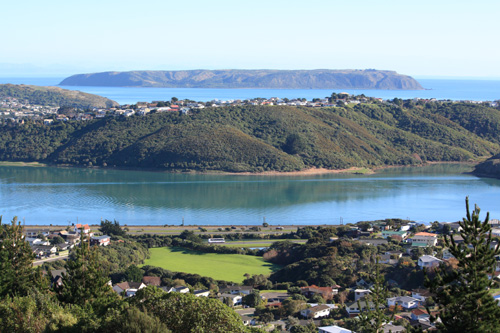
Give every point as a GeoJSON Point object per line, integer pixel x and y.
{"type": "Point", "coordinates": [260, 138]}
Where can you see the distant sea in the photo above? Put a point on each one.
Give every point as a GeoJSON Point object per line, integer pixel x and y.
{"type": "Point", "coordinates": [460, 89]}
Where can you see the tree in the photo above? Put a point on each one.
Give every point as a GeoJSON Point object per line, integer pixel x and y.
{"type": "Point", "coordinates": [462, 292]}
{"type": "Point", "coordinates": [84, 281]}
{"type": "Point", "coordinates": [373, 320]}
{"type": "Point", "coordinates": [133, 274]}
{"type": "Point", "coordinates": [57, 240]}
{"type": "Point", "coordinates": [17, 276]}
{"type": "Point", "coordinates": [253, 299]}
{"type": "Point", "coordinates": [111, 229]}
{"type": "Point", "coordinates": [183, 313]}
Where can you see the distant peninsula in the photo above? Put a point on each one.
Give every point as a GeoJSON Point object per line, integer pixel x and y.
{"type": "Point", "coordinates": [237, 78]}
{"type": "Point", "coordinates": [54, 96]}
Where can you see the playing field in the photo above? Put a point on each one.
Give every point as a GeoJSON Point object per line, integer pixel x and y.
{"type": "Point", "coordinates": [228, 267]}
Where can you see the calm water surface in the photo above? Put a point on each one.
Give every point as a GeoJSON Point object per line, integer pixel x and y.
{"type": "Point", "coordinates": [59, 195]}
{"type": "Point", "coordinates": [476, 90]}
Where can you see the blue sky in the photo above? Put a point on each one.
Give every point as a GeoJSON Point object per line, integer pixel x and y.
{"type": "Point", "coordinates": [419, 38]}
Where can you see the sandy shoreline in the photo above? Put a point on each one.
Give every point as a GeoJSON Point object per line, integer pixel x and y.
{"type": "Point", "coordinates": [305, 172]}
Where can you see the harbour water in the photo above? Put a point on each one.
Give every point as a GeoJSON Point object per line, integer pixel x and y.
{"type": "Point", "coordinates": [474, 90]}
{"type": "Point", "coordinates": [46, 195]}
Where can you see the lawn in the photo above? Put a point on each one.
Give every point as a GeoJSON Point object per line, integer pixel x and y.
{"type": "Point", "coordinates": [228, 267]}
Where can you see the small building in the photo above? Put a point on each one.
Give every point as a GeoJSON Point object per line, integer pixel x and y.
{"type": "Point", "coordinates": [103, 240]}
{"type": "Point", "coordinates": [389, 233]}
{"type": "Point", "coordinates": [216, 240]}
{"type": "Point", "coordinates": [317, 311]}
{"type": "Point", "coordinates": [202, 293]}
{"type": "Point", "coordinates": [232, 299]}
{"type": "Point", "coordinates": [326, 292]}
{"type": "Point", "coordinates": [236, 290]}
{"type": "Point", "coordinates": [151, 281]}
{"type": "Point", "coordinates": [333, 329]}
{"type": "Point", "coordinates": [421, 294]}
{"type": "Point", "coordinates": [353, 308]}
{"type": "Point", "coordinates": [405, 302]}
{"type": "Point", "coordinates": [360, 293]}
{"type": "Point", "coordinates": [424, 238]}
{"type": "Point", "coordinates": [427, 261]}
{"type": "Point", "coordinates": [128, 289]}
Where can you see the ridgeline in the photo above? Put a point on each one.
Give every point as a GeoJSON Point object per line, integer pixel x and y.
{"type": "Point", "coordinates": [264, 138]}
{"type": "Point", "coordinates": [236, 78]}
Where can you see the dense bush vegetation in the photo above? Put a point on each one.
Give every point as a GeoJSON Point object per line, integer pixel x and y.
{"type": "Point", "coordinates": [259, 138]}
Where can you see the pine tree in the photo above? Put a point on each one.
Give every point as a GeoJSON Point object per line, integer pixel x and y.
{"type": "Point", "coordinates": [17, 276]}
{"type": "Point", "coordinates": [374, 320]}
{"type": "Point", "coordinates": [462, 294]}
{"type": "Point", "coordinates": [84, 281]}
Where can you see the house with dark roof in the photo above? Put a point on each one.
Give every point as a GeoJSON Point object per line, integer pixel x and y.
{"type": "Point", "coordinates": [151, 281]}
{"type": "Point", "coordinates": [326, 292]}
{"type": "Point", "coordinates": [128, 289]}
{"type": "Point", "coordinates": [236, 290]}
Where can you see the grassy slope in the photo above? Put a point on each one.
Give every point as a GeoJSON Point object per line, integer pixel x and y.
{"type": "Point", "coordinates": [228, 267]}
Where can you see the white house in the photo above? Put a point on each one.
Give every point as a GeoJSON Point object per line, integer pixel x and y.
{"type": "Point", "coordinates": [103, 240]}
{"type": "Point", "coordinates": [317, 311]}
{"type": "Point", "coordinates": [235, 299]}
{"type": "Point", "coordinates": [421, 294]}
{"type": "Point", "coordinates": [333, 329]}
{"type": "Point", "coordinates": [360, 293]}
{"type": "Point", "coordinates": [427, 261]}
{"type": "Point", "coordinates": [353, 308]}
{"type": "Point", "coordinates": [201, 293]}
{"type": "Point", "coordinates": [424, 239]}
{"type": "Point", "coordinates": [128, 288]}
{"type": "Point", "coordinates": [216, 240]}
{"type": "Point", "coordinates": [405, 302]}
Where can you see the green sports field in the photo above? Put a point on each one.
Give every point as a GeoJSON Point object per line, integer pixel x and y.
{"type": "Point", "coordinates": [228, 267]}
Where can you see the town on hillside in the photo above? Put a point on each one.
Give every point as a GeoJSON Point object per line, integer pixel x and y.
{"type": "Point", "coordinates": [18, 111]}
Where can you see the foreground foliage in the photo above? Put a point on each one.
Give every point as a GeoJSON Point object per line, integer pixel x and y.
{"type": "Point", "coordinates": [463, 294]}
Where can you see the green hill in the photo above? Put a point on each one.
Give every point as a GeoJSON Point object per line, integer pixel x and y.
{"type": "Point", "coordinates": [262, 78]}
{"type": "Point", "coordinates": [260, 138]}
{"type": "Point", "coordinates": [54, 96]}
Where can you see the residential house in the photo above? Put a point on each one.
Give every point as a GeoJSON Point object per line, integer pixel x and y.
{"type": "Point", "coordinates": [216, 240]}
{"type": "Point", "coordinates": [248, 321]}
{"type": "Point", "coordinates": [388, 259]}
{"type": "Point", "coordinates": [447, 254]}
{"type": "Point", "coordinates": [57, 277]}
{"type": "Point", "coordinates": [83, 227]}
{"type": "Point", "coordinates": [424, 239]}
{"type": "Point", "coordinates": [103, 240]}
{"type": "Point", "coordinates": [128, 289]}
{"type": "Point", "coordinates": [427, 261]}
{"type": "Point", "coordinates": [231, 299]}
{"type": "Point", "coordinates": [202, 293]}
{"type": "Point", "coordinates": [151, 281]}
{"type": "Point", "coordinates": [353, 309]}
{"type": "Point", "coordinates": [405, 302]}
{"type": "Point", "coordinates": [373, 241]}
{"type": "Point", "coordinates": [316, 311]}
{"type": "Point", "coordinates": [417, 314]}
{"type": "Point", "coordinates": [421, 294]}
{"type": "Point", "coordinates": [333, 329]}
{"type": "Point", "coordinates": [391, 328]}
{"type": "Point", "coordinates": [389, 233]}
{"type": "Point", "coordinates": [361, 293]}
{"type": "Point", "coordinates": [181, 289]}
{"type": "Point", "coordinates": [326, 292]}
{"type": "Point", "coordinates": [236, 290]}
{"type": "Point", "coordinates": [44, 250]}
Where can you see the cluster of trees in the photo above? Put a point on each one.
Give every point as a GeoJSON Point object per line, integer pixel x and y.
{"type": "Point", "coordinates": [260, 138]}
